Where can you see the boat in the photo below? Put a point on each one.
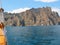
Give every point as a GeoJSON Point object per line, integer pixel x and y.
{"type": "Point", "coordinates": [2, 35]}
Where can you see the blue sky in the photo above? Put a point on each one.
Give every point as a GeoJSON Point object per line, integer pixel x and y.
{"type": "Point", "coordinates": [10, 5]}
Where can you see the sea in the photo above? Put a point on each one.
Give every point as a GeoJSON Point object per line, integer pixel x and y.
{"type": "Point", "coordinates": [33, 35]}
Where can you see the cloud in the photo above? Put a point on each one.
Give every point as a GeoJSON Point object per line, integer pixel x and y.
{"type": "Point", "coordinates": [47, 0]}
{"type": "Point", "coordinates": [18, 10]}
{"type": "Point", "coordinates": [57, 10]}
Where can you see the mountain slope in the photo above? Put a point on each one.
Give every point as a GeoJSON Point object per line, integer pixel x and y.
{"type": "Point", "coordinates": [33, 17]}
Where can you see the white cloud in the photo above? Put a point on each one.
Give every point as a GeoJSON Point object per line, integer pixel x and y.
{"type": "Point", "coordinates": [57, 10]}
{"type": "Point", "coordinates": [47, 0]}
{"type": "Point", "coordinates": [18, 10]}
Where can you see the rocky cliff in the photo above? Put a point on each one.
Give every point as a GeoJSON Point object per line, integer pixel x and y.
{"type": "Point", "coordinates": [33, 17]}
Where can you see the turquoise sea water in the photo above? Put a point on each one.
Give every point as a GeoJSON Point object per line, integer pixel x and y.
{"type": "Point", "coordinates": [33, 35]}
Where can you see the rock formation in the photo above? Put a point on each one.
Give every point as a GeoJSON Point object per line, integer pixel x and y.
{"type": "Point", "coordinates": [33, 17]}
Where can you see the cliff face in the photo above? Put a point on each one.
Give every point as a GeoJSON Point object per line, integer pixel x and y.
{"type": "Point", "coordinates": [33, 17]}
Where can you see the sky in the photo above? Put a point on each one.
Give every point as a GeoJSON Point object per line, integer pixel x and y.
{"type": "Point", "coordinates": [22, 5]}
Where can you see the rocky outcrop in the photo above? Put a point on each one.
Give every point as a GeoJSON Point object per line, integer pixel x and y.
{"type": "Point", "coordinates": [33, 17]}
